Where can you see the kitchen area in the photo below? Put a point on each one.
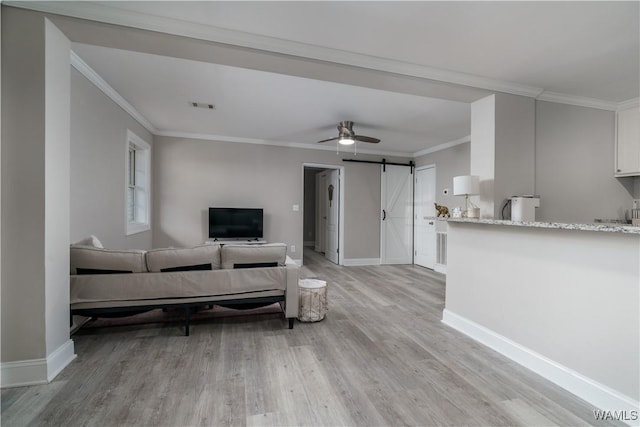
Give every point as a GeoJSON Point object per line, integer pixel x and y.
{"type": "Point", "coordinates": [551, 287]}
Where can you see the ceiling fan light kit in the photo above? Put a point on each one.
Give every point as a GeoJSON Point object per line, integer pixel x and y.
{"type": "Point", "coordinates": [346, 136]}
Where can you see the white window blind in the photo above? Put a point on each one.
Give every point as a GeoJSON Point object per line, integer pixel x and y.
{"type": "Point", "coordinates": [138, 191]}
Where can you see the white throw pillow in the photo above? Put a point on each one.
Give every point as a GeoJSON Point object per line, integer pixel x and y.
{"type": "Point", "coordinates": [91, 241]}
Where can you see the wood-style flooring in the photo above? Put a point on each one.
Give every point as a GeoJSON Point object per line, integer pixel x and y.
{"type": "Point", "coordinates": [381, 357]}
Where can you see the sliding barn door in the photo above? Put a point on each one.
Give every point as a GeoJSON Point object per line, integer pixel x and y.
{"type": "Point", "coordinates": [396, 229]}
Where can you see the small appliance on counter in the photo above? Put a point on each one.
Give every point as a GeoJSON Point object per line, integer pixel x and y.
{"type": "Point", "coordinates": [523, 208]}
{"type": "Point", "coordinates": [635, 213]}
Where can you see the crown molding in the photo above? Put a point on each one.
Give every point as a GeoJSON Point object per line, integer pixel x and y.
{"type": "Point", "coordinates": [629, 104]}
{"type": "Point", "coordinates": [580, 101]}
{"type": "Point", "coordinates": [100, 83]}
{"type": "Point", "coordinates": [256, 141]}
{"type": "Point", "coordinates": [443, 146]}
{"type": "Point", "coordinates": [113, 15]}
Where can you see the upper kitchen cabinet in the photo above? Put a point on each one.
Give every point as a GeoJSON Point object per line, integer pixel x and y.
{"type": "Point", "coordinates": [628, 142]}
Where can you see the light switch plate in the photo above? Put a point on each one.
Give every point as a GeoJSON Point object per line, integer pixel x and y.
{"type": "Point", "coordinates": [296, 208]}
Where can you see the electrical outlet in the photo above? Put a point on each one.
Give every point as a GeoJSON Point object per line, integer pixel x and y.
{"type": "Point", "coordinates": [293, 249]}
{"type": "Point", "coordinates": [296, 208]}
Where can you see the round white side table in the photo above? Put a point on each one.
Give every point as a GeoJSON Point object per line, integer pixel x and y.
{"type": "Point", "coordinates": [313, 300]}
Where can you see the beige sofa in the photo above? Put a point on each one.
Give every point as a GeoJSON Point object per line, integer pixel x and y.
{"type": "Point", "coordinates": [106, 282]}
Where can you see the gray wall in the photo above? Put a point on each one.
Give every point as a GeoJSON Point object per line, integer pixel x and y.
{"type": "Point", "coordinates": [451, 162]}
{"type": "Point", "coordinates": [502, 149]}
{"type": "Point", "coordinates": [192, 175]}
{"type": "Point", "coordinates": [35, 195]}
{"type": "Point", "coordinates": [575, 165]}
{"type": "Point", "coordinates": [515, 148]}
{"type": "Point", "coordinates": [98, 141]}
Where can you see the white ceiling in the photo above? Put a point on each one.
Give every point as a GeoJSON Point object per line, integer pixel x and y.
{"type": "Point", "coordinates": [259, 105]}
{"type": "Point", "coordinates": [587, 51]}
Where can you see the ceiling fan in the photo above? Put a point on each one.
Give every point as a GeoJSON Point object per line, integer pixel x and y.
{"type": "Point", "coordinates": [346, 135]}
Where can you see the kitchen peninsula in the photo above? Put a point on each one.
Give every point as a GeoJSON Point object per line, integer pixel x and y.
{"type": "Point", "coordinates": [560, 299]}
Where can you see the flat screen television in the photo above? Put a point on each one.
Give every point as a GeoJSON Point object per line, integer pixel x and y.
{"type": "Point", "coordinates": [235, 223]}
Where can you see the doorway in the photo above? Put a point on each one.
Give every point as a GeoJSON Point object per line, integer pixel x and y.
{"type": "Point", "coordinates": [323, 210]}
{"type": "Point", "coordinates": [424, 236]}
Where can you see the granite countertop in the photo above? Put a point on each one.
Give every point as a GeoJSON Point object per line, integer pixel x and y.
{"type": "Point", "coordinates": [607, 228]}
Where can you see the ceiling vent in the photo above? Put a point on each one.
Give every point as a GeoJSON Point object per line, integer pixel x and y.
{"type": "Point", "coordinates": [204, 105]}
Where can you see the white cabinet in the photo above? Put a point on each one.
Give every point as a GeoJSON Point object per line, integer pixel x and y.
{"type": "Point", "coordinates": [628, 142]}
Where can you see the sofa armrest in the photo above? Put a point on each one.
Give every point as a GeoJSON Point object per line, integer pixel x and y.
{"type": "Point", "coordinates": [291, 294]}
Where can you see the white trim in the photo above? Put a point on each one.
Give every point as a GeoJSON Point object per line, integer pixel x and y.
{"type": "Point", "coordinates": [440, 268]}
{"type": "Point", "coordinates": [443, 146]}
{"type": "Point", "coordinates": [36, 371]}
{"type": "Point", "coordinates": [298, 261]}
{"type": "Point", "coordinates": [23, 373]}
{"type": "Point", "coordinates": [309, 243]}
{"type": "Point", "coordinates": [102, 13]}
{"type": "Point", "coordinates": [599, 395]}
{"type": "Point", "coordinates": [353, 262]}
{"type": "Point", "coordinates": [59, 359]}
{"type": "Point", "coordinates": [580, 101]}
{"type": "Point", "coordinates": [629, 104]}
{"type": "Point", "coordinates": [106, 88]}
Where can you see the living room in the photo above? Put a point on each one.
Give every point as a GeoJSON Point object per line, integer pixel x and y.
{"type": "Point", "coordinates": [192, 171]}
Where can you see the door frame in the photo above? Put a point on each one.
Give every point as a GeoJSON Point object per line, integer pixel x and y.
{"type": "Point", "coordinates": [341, 180]}
{"type": "Point", "coordinates": [435, 188]}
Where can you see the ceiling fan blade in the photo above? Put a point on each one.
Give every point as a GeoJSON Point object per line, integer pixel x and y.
{"type": "Point", "coordinates": [363, 138]}
{"type": "Point", "coordinates": [327, 140]}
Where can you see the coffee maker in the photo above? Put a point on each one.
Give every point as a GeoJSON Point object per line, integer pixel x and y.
{"type": "Point", "coordinates": [523, 208]}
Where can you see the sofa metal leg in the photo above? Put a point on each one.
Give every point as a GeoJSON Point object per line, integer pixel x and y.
{"type": "Point", "coordinates": [186, 321]}
{"type": "Point", "coordinates": [291, 319]}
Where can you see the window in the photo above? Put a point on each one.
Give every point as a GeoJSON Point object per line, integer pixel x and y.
{"type": "Point", "coordinates": [138, 188]}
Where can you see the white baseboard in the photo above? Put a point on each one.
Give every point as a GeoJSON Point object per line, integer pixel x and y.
{"type": "Point", "coordinates": [36, 371]}
{"type": "Point", "coordinates": [352, 262]}
{"type": "Point", "coordinates": [599, 395]}
{"type": "Point", "coordinates": [298, 261]}
{"type": "Point", "coordinates": [440, 268]}
{"type": "Point", "coordinates": [59, 359]}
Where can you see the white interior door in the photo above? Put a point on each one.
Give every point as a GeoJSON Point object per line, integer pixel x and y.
{"type": "Point", "coordinates": [425, 229]}
{"type": "Point", "coordinates": [321, 217]}
{"type": "Point", "coordinates": [332, 193]}
{"type": "Point", "coordinates": [396, 229]}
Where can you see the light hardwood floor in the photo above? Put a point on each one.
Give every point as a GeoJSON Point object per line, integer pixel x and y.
{"type": "Point", "coordinates": [381, 357]}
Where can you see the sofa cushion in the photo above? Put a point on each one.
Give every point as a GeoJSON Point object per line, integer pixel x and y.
{"type": "Point", "coordinates": [171, 258]}
{"type": "Point", "coordinates": [245, 256]}
{"type": "Point", "coordinates": [102, 261]}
